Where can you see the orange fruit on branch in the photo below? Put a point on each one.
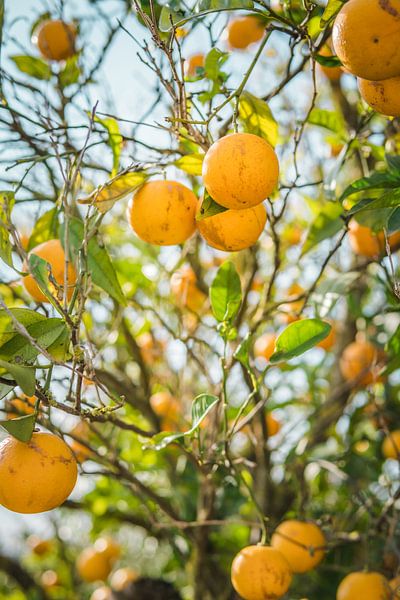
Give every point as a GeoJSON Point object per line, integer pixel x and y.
{"type": "Point", "coordinates": [365, 242]}
{"type": "Point", "coordinates": [366, 38]}
{"type": "Point", "coordinates": [240, 170]}
{"type": "Point", "coordinates": [53, 253]}
{"type": "Point", "coordinates": [391, 445]}
{"type": "Point", "coordinates": [260, 573]}
{"type": "Point", "coordinates": [243, 31]}
{"type": "Point", "coordinates": [165, 405]}
{"type": "Point", "coordinates": [301, 543]}
{"type": "Point", "coordinates": [395, 587]}
{"type": "Point", "coordinates": [93, 566]}
{"type": "Point", "coordinates": [366, 586]}
{"type": "Point", "coordinates": [361, 362]}
{"type": "Point", "coordinates": [36, 476]}
{"type": "Point", "coordinates": [20, 406]}
{"type": "Point", "coordinates": [328, 343]}
{"type": "Point", "coordinates": [273, 425]}
{"type": "Point", "coordinates": [56, 39]}
{"type": "Point", "coordinates": [185, 290]}
{"type": "Point", "coordinates": [382, 96]}
{"type": "Point", "coordinates": [234, 230]}
{"type": "Point", "coordinates": [194, 62]}
{"type": "Point", "coordinates": [332, 73]}
{"type": "Point", "coordinates": [163, 213]}
{"type": "Point", "coordinates": [264, 346]}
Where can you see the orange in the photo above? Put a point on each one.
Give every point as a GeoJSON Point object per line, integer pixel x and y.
{"type": "Point", "coordinates": [93, 566]}
{"type": "Point", "coordinates": [80, 451]}
{"type": "Point", "coordinates": [365, 242]}
{"type": "Point", "coordinates": [165, 405]}
{"type": "Point", "coordinates": [391, 445]}
{"type": "Point", "coordinates": [108, 547]}
{"type": "Point", "coordinates": [240, 170]}
{"type": "Point", "coordinates": [361, 362]}
{"type": "Point", "coordinates": [332, 73]}
{"type": "Point", "coordinates": [290, 309]}
{"type": "Point", "coordinates": [193, 63]}
{"type": "Point", "coordinates": [327, 343]}
{"type": "Point", "coordinates": [163, 213]}
{"type": "Point", "coordinates": [38, 546]}
{"type": "Point", "coordinates": [36, 476]}
{"type": "Point", "coordinates": [151, 348]}
{"type": "Point", "coordinates": [382, 96]}
{"type": "Point", "coordinates": [298, 541]}
{"type": "Point", "coordinates": [52, 252]}
{"type": "Point", "coordinates": [49, 579]}
{"type": "Point", "coordinates": [185, 290]}
{"type": "Point", "coordinates": [243, 31]}
{"type": "Point", "coordinates": [56, 39]}
{"type": "Point", "coordinates": [264, 346]}
{"type": "Point", "coordinates": [366, 586]}
{"type": "Point", "coordinates": [122, 578]}
{"type": "Point", "coordinates": [260, 573]}
{"type": "Point", "coordinates": [24, 239]}
{"type": "Point", "coordinates": [395, 586]}
{"type": "Point", "coordinates": [293, 234]}
{"type": "Point", "coordinates": [234, 230]}
{"type": "Point", "coordinates": [18, 407]}
{"type": "Point", "coordinates": [273, 425]}
{"type": "Point", "coordinates": [102, 593]}
{"type": "Point", "coordinates": [366, 38]}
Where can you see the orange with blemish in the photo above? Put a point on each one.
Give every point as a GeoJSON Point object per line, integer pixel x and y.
{"type": "Point", "coordinates": [301, 543]}
{"type": "Point", "coordinates": [240, 170]}
{"type": "Point", "coordinates": [36, 476]}
{"type": "Point", "coordinates": [382, 96]}
{"type": "Point", "coordinates": [366, 586]}
{"type": "Point", "coordinates": [260, 573]}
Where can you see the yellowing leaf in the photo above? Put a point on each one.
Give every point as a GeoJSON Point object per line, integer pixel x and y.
{"type": "Point", "coordinates": [191, 163]}
{"type": "Point", "coordinates": [256, 117]}
{"type": "Point", "coordinates": [105, 196]}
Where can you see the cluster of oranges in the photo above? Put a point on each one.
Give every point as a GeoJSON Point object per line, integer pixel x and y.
{"type": "Point", "coordinates": [365, 37]}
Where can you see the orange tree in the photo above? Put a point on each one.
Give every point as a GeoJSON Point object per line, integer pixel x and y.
{"type": "Point", "coordinates": [221, 354]}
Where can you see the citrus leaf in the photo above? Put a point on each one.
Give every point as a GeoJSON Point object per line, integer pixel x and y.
{"type": "Point", "coordinates": [45, 332]}
{"type": "Point", "coordinates": [115, 140]}
{"type": "Point", "coordinates": [24, 376]}
{"type": "Point", "coordinates": [326, 225]}
{"type": "Point", "coordinates": [45, 229]}
{"type": "Point", "coordinates": [327, 61]}
{"type": "Point", "coordinates": [298, 337]}
{"type": "Point", "coordinates": [40, 270]}
{"type": "Point", "coordinates": [191, 163]}
{"type": "Point", "coordinates": [21, 428]}
{"type": "Point", "coordinates": [5, 389]}
{"type": "Point", "coordinates": [105, 196]}
{"type": "Point", "coordinates": [391, 199]}
{"type": "Point", "coordinates": [213, 63]}
{"type": "Point", "coordinates": [226, 292]}
{"type": "Point", "coordinates": [328, 119]}
{"type": "Point", "coordinates": [331, 10]}
{"type": "Point", "coordinates": [99, 263]}
{"type": "Point", "coordinates": [209, 208]}
{"type": "Point", "coordinates": [7, 201]}
{"type": "Point", "coordinates": [35, 67]}
{"type": "Point", "coordinates": [242, 352]}
{"type": "Point", "coordinates": [24, 316]}
{"type": "Point", "coordinates": [376, 181]}
{"type": "Point", "coordinates": [70, 73]}
{"type": "Point", "coordinates": [168, 18]}
{"type": "Point", "coordinates": [256, 117]}
{"type": "Point", "coordinates": [201, 406]}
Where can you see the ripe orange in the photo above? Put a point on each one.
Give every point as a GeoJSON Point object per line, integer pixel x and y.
{"type": "Point", "coordinates": [108, 547]}
{"type": "Point", "coordinates": [391, 445]}
{"type": "Point", "coordinates": [366, 586]}
{"type": "Point", "coordinates": [52, 252]}
{"type": "Point", "coordinates": [260, 573]}
{"type": "Point", "coordinates": [234, 230]}
{"type": "Point", "coordinates": [165, 405]}
{"type": "Point", "coordinates": [243, 31]}
{"type": "Point", "coordinates": [36, 476]}
{"type": "Point", "coordinates": [38, 546]}
{"type": "Point", "coordinates": [329, 341]}
{"type": "Point", "coordinates": [102, 593]}
{"type": "Point", "coordinates": [49, 579]}
{"type": "Point", "coordinates": [185, 290]}
{"type": "Point", "coordinates": [240, 170]}
{"type": "Point", "coordinates": [360, 363]}
{"type": "Point", "coordinates": [121, 578]}
{"type": "Point", "coordinates": [382, 96]}
{"type": "Point", "coordinates": [365, 242]}
{"type": "Point", "coordinates": [365, 37]}
{"type": "Point", "coordinates": [56, 39]}
{"type": "Point", "coordinates": [193, 63]}
{"type": "Point", "coordinates": [298, 541]}
{"type": "Point", "coordinates": [332, 73]}
{"type": "Point", "coordinates": [264, 346]}
{"type": "Point", "coordinates": [151, 348]}
{"type": "Point", "coordinates": [18, 407]}
{"type": "Point", "coordinates": [273, 425]}
{"type": "Point", "coordinates": [395, 587]}
{"type": "Point", "coordinates": [163, 213]}
{"type": "Point", "coordinates": [290, 309]}
{"type": "Point", "coordinates": [93, 566]}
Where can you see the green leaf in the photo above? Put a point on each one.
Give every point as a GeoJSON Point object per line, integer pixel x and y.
{"type": "Point", "coordinates": [201, 406]}
{"type": "Point", "coordinates": [327, 61]}
{"type": "Point", "coordinates": [99, 263]}
{"type": "Point", "coordinates": [242, 352]}
{"type": "Point", "coordinates": [391, 199]}
{"type": "Point", "coordinates": [115, 140]}
{"type": "Point", "coordinates": [191, 163]}
{"type": "Point", "coordinates": [393, 162]}
{"type": "Point", "coordinates": [40, 19]}
{"type": "Point", "coordinates": [208, 208]}
{"type": "Point", "coordinates": [45, 229]}
{"type": "Point", "coordinates": [330, 12]}
{"type": "Point", "coordinates": [70, 73]}
{"type": "Point", "coordinates": [376, 181]}
{"type": "Point", "coordinates": [20, 428]}
{"type": "Point", "coordinates": [7, 201]}
{"type": "Point", "coordinates": [45, 332]}
{"type": "Point", "coordinates": [168, 18]}
{"type": "Point", "coordinates": [394, 221]}
{"type": "Point", "coordinates": [325, 226]}
{"type": "Point", "coordinates": [298, 337]}
{"type": "Point", "coordinates": [24, 376]}
{"type": "Point", "coordinates": [329, 119]}
{"type": "Point", "coordinates": [5, 389]}
{"type": "Point", "coordinates": [256, 117]}
{"type": "Point", "coordinates": [204, 5]}
{"type": "Point", "coordinates": [40, 270]}
{"type": "Point", "coordinates": [213, 63]}
{"type": "Point", "coordinates": [226, 292]}
{"type": "Point", "coordinates": [35, 67]}
{"type": "Point", "coordinates": [105, 196]}
{"type": "Point", "coordinates": [24, 316]}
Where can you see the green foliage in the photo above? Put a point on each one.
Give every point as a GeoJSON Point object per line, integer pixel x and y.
{"type": "Point", "coordinates": [32, 66]}
{"type": "Point", "coordinates": [20, 428]}
{"type": "Point", "coordinates": [208, 207]}
{"type": "Point", "coordinates": [226, 293]}
{"type": "Point", "coordinates": [45, 229]}
{"type": "Point", "coordinates": [70, 74]}
{"type": "Point", "coordinates": [298, 337]}
{"type": "Point", "coordinates": [256, 117]}
{"type": "Point", "coordinates": [7, 201]}
{"type": "Point", "coordinates": [328, 119]}
{"type": "Point", "coordinates": [327, 224]}
{"type": "Point", "coordinates": [114, 140]}
{"type": "Point", "coordinates": [24, 376]}
{"type": "Point", "coordinates": [190, 163]}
